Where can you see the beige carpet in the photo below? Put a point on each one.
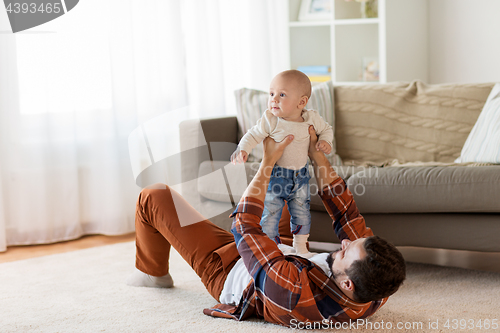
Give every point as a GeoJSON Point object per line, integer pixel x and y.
{"type": "Point", "coordinates": [84, 291]}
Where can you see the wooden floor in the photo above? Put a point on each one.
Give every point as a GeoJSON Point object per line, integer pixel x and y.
{"type": "Point", "coordinates": [31, 251]}
{"type": "Point", "coordinates": [464, 259]}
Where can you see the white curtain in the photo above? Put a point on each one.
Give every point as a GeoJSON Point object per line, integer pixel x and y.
{"type": "Point", "coordinates": [74, 89]}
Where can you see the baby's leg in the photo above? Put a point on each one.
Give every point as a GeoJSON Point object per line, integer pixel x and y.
{"type": "Point", "coordinates": [299, 207]}
{"type": "Point", "coordinates": [273, 206]}
{"type": "Point", "coordinates": [300, 221]}
{"type": "Point", "coordinates": [284, 228]}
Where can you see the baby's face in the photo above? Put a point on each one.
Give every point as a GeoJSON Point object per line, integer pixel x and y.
{"type": "Point", "coordinates": [285, 99]}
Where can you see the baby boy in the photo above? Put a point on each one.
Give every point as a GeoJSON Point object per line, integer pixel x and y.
{"type": "Point", "coordinates": [286, 114]}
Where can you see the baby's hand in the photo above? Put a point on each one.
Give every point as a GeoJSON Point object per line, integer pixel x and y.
{"type": "Point", "coordinates": [239, 156]}
{"type": "Point", "coordinates": [323, 146]}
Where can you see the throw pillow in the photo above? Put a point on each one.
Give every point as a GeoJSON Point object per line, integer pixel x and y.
{"type": "Point", "coordinates": [405, 121]}
{"type": "Point", "coordinates": [483, 142]}
{"type": "Point", "coordinates": [251, 104]}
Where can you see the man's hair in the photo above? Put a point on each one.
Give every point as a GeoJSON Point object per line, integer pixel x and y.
{"type": "Point", "coordinates": [380, 273]}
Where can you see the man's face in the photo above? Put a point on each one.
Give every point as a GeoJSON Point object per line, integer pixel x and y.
{"type": "Point", "coordinates": [339, 261]}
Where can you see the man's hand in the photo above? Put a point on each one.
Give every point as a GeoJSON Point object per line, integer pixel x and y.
{"type": "Point", "coordinates": [323, 146]}
{"type": "Point", "coordinates": [273, 150]}
{"type": "Point", "coordinates": [239, 156]}
{"type": "Point", "coordinates": [323, 171]}
{"type": "Point", "coordinates": [313, 150]}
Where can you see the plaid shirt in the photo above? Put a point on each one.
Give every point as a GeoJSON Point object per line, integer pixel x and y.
{"type": "Point", "coordinates": [290, 289]}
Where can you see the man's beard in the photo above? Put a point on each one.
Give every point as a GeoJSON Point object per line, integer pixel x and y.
{"type": "Point", "coordinates": [329, 260]}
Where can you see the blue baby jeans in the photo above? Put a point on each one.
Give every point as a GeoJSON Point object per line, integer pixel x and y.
{"type": "Point", "coordinates": [291, 186]}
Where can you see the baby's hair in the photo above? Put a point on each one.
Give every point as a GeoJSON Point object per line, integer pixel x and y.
{"type": "Point", "coordinates": [302, 80]}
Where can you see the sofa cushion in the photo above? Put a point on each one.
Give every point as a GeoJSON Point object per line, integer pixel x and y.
{"type": "Point", "coordinates": [483, 142]}
{"type": "Point", "coordinates": [406, 121]}
{"type": "Point", "coordinates": [450, 189]}
{"type": "Point", "coordinates": [252, 103]}
{"type": "Point", "coordinates": [239, 176]}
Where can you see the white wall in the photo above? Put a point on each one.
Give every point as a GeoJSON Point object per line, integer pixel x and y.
{"type": "Point", "coordinates": [464, 40]}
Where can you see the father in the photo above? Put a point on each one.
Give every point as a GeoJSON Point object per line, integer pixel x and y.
{"type": "Point", "coordinates": [348, 284]}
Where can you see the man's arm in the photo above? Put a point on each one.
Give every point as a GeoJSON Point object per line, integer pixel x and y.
{"type": "Point", "coordinates": [323, 171]}
{"type": "Point", "coordinates": [272, 152]}
{"type": "Point", "coordinates": [276, 278]}
{"type": "Point", "coordinates": [338, 200]}
{"type": "Point", "coordinates": [323, 129]}
{"type": "Point", "coordinates": [258, 251]}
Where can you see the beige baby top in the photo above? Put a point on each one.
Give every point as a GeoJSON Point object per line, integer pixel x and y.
{"type": "Point", "coordinates": [295, 155]}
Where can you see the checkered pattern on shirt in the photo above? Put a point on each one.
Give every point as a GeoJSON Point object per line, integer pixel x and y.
{"type": "Point", "coordinates": [286, 288]}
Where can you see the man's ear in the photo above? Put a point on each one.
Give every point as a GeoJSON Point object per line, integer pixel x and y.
{"type": "Point", "coordinates": [347, 284]}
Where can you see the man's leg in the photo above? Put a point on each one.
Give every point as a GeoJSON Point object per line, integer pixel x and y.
{"type": "Point", "coordinates": [207, 248]}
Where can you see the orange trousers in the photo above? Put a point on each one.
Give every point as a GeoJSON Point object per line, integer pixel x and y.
{"type": "Point", "coordinates": [207, 248]}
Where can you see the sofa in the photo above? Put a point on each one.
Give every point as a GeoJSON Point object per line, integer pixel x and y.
{"type": "Point", "coordinates": [400, 146]}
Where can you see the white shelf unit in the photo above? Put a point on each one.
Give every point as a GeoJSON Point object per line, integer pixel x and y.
{"type": "Point", "coordinates": [397, 39]}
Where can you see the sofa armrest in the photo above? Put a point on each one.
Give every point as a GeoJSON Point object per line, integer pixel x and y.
{"type": "Point", "coordinates": [206, 139]}
{"type": "Point", "coordinates": [223, 129]}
